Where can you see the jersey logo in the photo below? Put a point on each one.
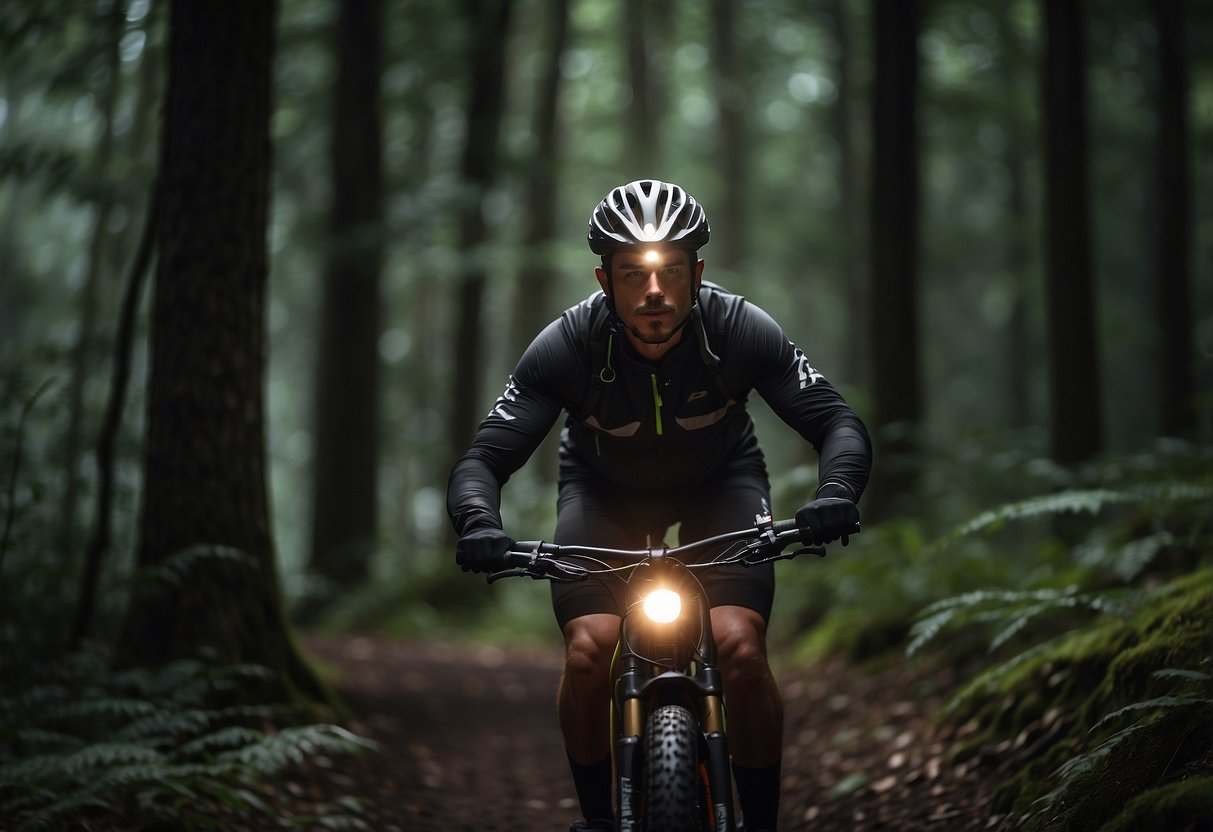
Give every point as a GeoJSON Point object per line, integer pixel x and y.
{"type": "Point", "coordinates": [805, 371]}
{"type": "Point", "coordinates": [510, 395]}
{"type": "Point", "coordinates": [698, 394]}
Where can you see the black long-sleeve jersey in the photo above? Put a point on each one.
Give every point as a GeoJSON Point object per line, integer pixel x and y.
{"type": "Point", "coordinates": [645, 427]}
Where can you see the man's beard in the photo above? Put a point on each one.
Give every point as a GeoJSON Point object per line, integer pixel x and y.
{"type": "Point", "coordinates": [653, 339]}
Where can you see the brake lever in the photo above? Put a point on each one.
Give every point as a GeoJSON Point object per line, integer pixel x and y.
{"type": "Point", "coordinates": [493, 577]}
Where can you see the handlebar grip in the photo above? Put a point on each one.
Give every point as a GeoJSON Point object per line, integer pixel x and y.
{"type": "Point", "coordinates": [517, 558]}
{"type": "Point", "coordinates": [781, 526]}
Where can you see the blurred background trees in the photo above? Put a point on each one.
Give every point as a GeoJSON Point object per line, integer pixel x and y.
{"type": "Point", "coordinates": [988, 222]}
{"type": "Point", "coordinates": [910, 188]}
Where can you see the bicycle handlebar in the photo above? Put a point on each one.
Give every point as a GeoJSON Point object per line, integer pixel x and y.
{"type": "Point", "coordinates": [765, 542]}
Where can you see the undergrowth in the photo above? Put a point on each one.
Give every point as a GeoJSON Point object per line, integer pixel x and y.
{"type": "Point", "coordinates": [1094, 696]}
{"type": "Point", "coordinates": [178, 747]}
{"type": "Point", "coordinates": [136, 748]}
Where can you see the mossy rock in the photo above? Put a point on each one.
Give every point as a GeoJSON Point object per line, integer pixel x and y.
{"type": "Point", "coordinates": [1061, 676]}
{"type": "Point", "coordinates": [1173, 630]}
{"type": "Point", "coordinates": [1158, 752]}
{"type": "Point", "coordinates": [1182, 806]}
{"type": "Point", "coordinates": [1081, 678]}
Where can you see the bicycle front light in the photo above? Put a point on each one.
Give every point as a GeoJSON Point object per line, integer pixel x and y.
{"type": "Point", "coordinates": [662, 606]}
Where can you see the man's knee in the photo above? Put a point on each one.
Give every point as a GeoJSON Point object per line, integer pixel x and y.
{"type": "Point", "coordinates": [741, 644]}
{"type": "Point", "coordinates": [589, 645]}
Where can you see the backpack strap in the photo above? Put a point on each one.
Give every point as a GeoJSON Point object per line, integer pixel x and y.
{"type": "Point", "coordinates": [710, 359]}
{"type": "Point", "coordinates": [600, 343]}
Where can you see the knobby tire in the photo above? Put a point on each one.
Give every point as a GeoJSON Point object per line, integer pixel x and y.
{"type": "Point", "coordinates": [673, 789]}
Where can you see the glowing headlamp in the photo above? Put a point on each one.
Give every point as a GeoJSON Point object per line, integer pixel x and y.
{"type": "Point", "coordinates": [662, 606]}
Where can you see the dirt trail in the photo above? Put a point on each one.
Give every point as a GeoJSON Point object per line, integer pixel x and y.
{"type": "Point", "coordinates": [471, 743]}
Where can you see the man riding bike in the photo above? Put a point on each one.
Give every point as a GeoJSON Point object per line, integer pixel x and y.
{"type": "Point", "coordinates": [654, 372]}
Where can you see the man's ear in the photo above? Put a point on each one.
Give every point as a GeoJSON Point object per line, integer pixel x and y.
{"type": "Point", "coordinates": [602, 281]}
{"type": "Point", "coordinates": [698, 273]}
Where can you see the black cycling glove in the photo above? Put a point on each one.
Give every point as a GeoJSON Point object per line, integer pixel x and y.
{"type": "Point", "coordinates": [827, 519]}
{"type": "Point", "coordinates": [483, 550]}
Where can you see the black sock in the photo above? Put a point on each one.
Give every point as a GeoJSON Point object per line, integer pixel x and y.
{"type": "Point", "coordinates": [758, 791]}
{"type": "Point", "coordinates": [593, 785]}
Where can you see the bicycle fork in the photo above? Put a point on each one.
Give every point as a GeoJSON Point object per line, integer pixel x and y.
{"type": "Point", "coordinates": [637, 693]}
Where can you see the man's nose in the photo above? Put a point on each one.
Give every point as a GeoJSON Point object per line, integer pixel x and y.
{"type": "Point", "coordinates": [653, 286]}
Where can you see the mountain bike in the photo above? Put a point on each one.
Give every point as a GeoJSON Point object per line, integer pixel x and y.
{"type": "Point", "coordinates": [670, 749]}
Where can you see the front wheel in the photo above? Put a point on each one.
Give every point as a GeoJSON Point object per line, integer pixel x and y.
{"type": "Point", "coordinates": [673, 793]}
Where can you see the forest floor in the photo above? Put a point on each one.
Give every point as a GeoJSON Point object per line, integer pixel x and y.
{"type": "Point", "coordinates": [470, 743]}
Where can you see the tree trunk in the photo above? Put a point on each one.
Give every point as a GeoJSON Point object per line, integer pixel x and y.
{"type": "Point", "coordinates": [107, 440]}
{"type": "Point", "coordinates": [533, 302]}
{"type": "Point", "coordinates": [142, 135]}
{"type": "Point", "coordinates": [345, 493]}
{"type": "Point", "coordinates": [210, 588]}
{"type": "Point", "coordinates": [533, 306]}
{"type": "Point", "coordinates": [641, 156]}
{"type": "Point", "coordinates": [1173, 240]}
{"type": "Point", "coordinates": [728, 249]}
{"type": "Point", "coordinates": [1018, 341]}
{"type": "Point", "coordinates": [85, 347]}
{"type": "Point", "coordinates": [853, 174]}
{"type": "Point", "coordinates": [895, 371]}
{"type": "Point", "coordinates": [1076, 421]}
{"type": "Point", "coordinates": [488, 21]}
{"type": "Point", "coordinates": [1015, 161]}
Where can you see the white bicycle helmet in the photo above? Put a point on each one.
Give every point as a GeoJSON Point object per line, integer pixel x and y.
{"type": "Point", "coordinates": [647, 211]}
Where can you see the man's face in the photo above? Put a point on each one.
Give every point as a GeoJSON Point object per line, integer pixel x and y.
{"type": "Point", "coordinates": [653, 290]}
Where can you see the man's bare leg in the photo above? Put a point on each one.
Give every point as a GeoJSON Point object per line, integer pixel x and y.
{"type": "Point", "coordinates": [754, 712]}
{"type": "Point", "coordinates": [584, 708]}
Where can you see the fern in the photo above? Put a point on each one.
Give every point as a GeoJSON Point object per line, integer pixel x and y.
{"type": "Point", "coordinates": [1126, 561]}
{"type": "Point", "coordinates": [92, 743]}
{"type": "Point", "coordinates": [1073, 770]}
{"type": "Point", "coordinates": [1065, 502]}
{"type": "Point", "coordinates": [163, 726]}
{"type": "Point", "coordinates": [990, 677]}
{"type": "Point", "coordinates": [1012, 610]}
{"type": "Point", "coordinates": [292, 745]}
{"type": "Point", "coordinates": [233, 736]}
{"type": "Point", "coordinates": [177, 570]}
{"type": "Point", "coordinates": [1155, 704]}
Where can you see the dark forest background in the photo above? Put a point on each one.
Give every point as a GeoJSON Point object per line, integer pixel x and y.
{"type": "Point", "coordinates": [263, 269]}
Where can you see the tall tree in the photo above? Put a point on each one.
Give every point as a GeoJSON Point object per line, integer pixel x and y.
{"type": "Point", "coordinates": [849, 124]}
{"type": "Point", "coordinates": [1173, 231]}
{"type": "Point", "coordinates": [112, 24]}
{"type": "Point", "coordinates": [1015, 164]}
{"type": "Point", "coordinates": [733, 149]}
{"type": "Point", "coordinates": [346, 458]}
{"type": "Point", "coordinates": [488, 22]}
{"type": "Point", "coordinates": [642, 152]}
{"type": "Point", "coordinates": [205, 532]}
{"type": "Point", "coordinates": [532, 301]}
{"type": "Point", "coordinates": [533, 289]}
{"type": "Point", "coordinates": [895, 243]}
{"type": "Point", "coordinates": [1076, 428]}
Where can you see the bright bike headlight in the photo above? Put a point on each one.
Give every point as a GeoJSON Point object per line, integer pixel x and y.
{"type": "Point", "coordinates": [663, 606]}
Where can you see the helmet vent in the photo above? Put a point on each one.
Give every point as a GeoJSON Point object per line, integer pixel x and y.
{"type": "Point", "coordinates": [647, 211]}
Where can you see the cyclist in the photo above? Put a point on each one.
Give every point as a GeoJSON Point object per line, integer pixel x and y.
{"type": "Point", "coordinates": [653, 372]}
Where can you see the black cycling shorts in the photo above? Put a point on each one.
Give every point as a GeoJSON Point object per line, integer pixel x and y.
{"type": "Point", "coordinates": [592, 514]}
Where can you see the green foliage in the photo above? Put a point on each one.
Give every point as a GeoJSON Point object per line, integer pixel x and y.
{"type": "Point", "coordinates": [152, 745]}
{"type": "Point", "coordinates": [1010, 612]}
{"type": "Point", "coordinates": [1098, 677]}
{"type": "Point", "coordinates": [1182, 806]}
